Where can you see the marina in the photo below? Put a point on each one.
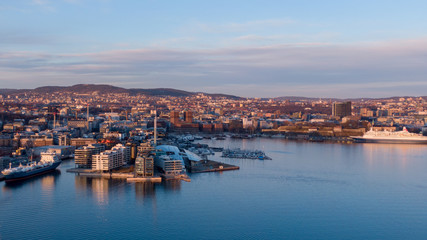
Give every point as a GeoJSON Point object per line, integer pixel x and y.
{"type": "Point", "coordinates": [246, 154]}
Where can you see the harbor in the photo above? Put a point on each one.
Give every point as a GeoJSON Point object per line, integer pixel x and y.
{"type": "Point", "coordinates": [286, 185]}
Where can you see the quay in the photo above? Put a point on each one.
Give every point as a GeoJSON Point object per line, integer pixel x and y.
{"type": "Point", "coordinates": [94, 173]}
{"type": "Point", "coordinates": [129, 176]}
{"type": "Point", "coordinates": [212, 166]}
{"type": "Point", "coordinates": [183, 177]}
{"type": "Point", "coordinates": [144, 179]}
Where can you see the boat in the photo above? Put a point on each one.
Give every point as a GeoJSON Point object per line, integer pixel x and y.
{"type": "Point", "coordinates": [49, 161]}
{"type": "Point", "coordinates": [403, 136]}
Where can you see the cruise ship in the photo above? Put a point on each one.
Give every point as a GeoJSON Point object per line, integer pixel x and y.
{"type": "Point", "coordinates": [391, 137]}
{"type": "Point", "coordinates": [49, 161]}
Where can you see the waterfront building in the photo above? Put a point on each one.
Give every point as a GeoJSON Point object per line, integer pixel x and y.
{"type": "Point", "coordinates": [169, 159]}
{"type": "Point", "coordinates": [106, 161]}
{"type": "Point", "coordinates": [83, 156]}
{"type": "Point", "coordinates": [124, 153]}
{"type": "Point", "coordinates": [144, 166]}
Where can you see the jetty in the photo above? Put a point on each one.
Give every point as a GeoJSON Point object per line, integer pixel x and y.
{"type": "Point", "coordinates": [212, 166]}
{"type": "Point", "coordinates": [144, 179]}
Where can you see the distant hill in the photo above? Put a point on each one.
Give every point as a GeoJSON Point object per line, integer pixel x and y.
{"type": "Point", "coordinates": [296, 98]}
{"type": "Point", "coordinates": [81, 89]}
{"type": "Point", "coordinates": [103, 88]}
{"type": "Point", "coordinates": [161, 92]}
{"type": "Point", "coordinates": [7, 90]}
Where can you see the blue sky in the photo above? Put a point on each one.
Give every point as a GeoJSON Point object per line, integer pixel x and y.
{"type": "Point", "coordinates": [247, 48]}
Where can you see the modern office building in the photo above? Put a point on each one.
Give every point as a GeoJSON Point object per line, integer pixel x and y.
{"type": "Point", "coordinates": [341, 109]}
{"type": "Point", "coordinates": [124, 153]}
{"type": "Point", "coordinates": [83, 155]}
{"type": "Point", "coordinates": [144, 166]}
{"type": "Point", "coordinates": [169, 160]}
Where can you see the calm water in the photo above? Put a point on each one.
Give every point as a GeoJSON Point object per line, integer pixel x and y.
{"type": "Point", "coordinates": [308, 191]}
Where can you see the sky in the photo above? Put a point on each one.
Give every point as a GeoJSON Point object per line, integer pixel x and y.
{"type": "Point", "coordinates": [249, 48]}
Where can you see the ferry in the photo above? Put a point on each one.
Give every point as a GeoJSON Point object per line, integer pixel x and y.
{"type": "Point", "coordinates": [391, 137]}
{"type": "Point", "coordinates": [48, 162]}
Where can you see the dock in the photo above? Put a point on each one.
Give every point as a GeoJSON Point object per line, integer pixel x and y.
{"type": "Point", "coordinates": [144, 179]}
{"type": "Point", "coordinates": [183, 177]}
{"type": "Point", "coordinates": [212, 166]}
{"type": "Point", "coordinates": [94, 173]}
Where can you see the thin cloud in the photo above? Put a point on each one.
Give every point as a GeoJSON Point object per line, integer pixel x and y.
{"type": "Point", "coordinates": [309, 69]}
{"type": "Point", "coordinates": [44, 4]}
{"type": "Point", "coordinates": [241, 26]}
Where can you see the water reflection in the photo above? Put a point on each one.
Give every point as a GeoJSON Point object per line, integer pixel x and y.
{"type": "Point", "coordinates": [100, 189]}
{"type": "Point", "coordinates": [145, 190]}
{"type": "Point", "coordinates": [172, 185]}
{"type": "Point", "coordinates": [391, 154]}
{"type": "Point", "coordinates": [48, 181]}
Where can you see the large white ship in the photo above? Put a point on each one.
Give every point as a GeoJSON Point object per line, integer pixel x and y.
{"type": "Point", "coordinates": [49, 161]}
{"type": "Point", "coordinates": [391, 137]}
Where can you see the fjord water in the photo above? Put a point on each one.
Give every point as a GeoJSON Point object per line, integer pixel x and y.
{"type": "Point", "coordinates": [308, 191]}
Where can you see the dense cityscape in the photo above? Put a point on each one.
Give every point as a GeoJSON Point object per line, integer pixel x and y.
{"type": "Point", "coordinates": [84, 120]}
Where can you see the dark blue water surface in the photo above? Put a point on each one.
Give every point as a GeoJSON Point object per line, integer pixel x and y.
{"type": "Point", "coordinates": [308, 191]}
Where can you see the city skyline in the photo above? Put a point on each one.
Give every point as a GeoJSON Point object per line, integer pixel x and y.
{"type": "Point", "coordinates": [256, 49]}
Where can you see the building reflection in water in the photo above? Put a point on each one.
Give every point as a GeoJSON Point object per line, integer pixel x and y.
{"type": "Point", "coordinates": [148, 189]}
{"type": "Point", "coordinates": [145, 190]}
{"type": "Point", "coordinates": [100, 188]}
{"type": "Point", "coordinates": [48, 181]}
{"type": "Point", "coordinates": [172, 185]}
{"type": "Point", "coordinates": [390, 154]}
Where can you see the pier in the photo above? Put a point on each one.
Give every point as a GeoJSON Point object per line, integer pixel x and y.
{"type": "Point", "coordinates": [94, 173]}
{"type": "Point", "coordinates": [212, 166]}
{"type": "Point", "coordinates": [144, 179]}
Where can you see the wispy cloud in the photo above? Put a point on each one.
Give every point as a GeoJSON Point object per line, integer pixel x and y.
{"type": "Point", "coordinates": [320, 70]}
{"type": "Point", "coordinates": [44, 4]}
{"type": "Point", "coordinates": [40, 2]}
{"type": "Point", "coordinates": [240, 26]}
